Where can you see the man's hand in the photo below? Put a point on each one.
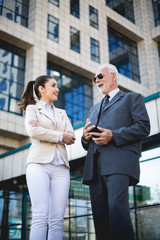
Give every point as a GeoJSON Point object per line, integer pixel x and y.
{"type": "Point", "coordinates": [86, 134]}
{"type": "Point", "coordinates": [104, 137]}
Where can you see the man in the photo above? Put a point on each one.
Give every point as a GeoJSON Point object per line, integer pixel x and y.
{"type": "Point", "coordinates": [112, 162]}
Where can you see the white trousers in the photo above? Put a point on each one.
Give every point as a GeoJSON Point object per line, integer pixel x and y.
{"type": "Point", "coordinates": [48, 189]}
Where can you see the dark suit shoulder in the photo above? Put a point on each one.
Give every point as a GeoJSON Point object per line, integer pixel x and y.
{"type": "Point", "coordinates": [132, 96]}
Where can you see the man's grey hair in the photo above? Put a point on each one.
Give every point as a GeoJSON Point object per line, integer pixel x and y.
{"type": "Point", "coordinates": [111, 68]}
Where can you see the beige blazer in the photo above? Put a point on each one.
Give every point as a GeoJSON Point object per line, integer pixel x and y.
{"type": "Point", "coordinates": [45, 137]}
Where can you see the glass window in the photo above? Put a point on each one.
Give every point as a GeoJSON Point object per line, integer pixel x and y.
{"type": "Point", "coordinates": [95, 51]}
{"type": "Point", "coordinates": [75, 94]}
{"type": "Point", "coordinates": [93, 17]}
{"type": "Point", "coordinates": [15, 10]}
{"type": "Point", "coordinates": [53, 28]}
{"type": "Point", "coordinates": [123, 54]}
{"type": "Point", "coordinates": [78, 223]}
{"type": "Point", "coordinates": [156, 10]}
{"type": "Point", "coordinates": [12, 67]}
{"type": "Point", "coordinates": [123, 7]}
{"type": "Point", "coordinates": [54, 2]}
{"type": "Point", "coordinates": [74, 8]}
{"type": "Point", "coordinates": [148, 195]}
{"type": "Point", "coordinates": [75, 39]}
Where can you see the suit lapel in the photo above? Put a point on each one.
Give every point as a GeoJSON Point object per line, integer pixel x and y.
{"type": "Point", "coordinates": [58, 116]}
{"type": "Point", "coordinates": [42, 110]}
{"type": "Point", "coordinates": [114, 100]}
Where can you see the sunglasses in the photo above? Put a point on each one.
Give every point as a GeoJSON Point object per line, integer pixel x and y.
{"type": "Point", "coordinates": [100, 76]}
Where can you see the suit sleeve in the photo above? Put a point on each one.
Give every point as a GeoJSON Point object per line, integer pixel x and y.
{"type": "Point", "coordinates": [140, 127]}
{"type": "Point", "coordinates": [39, 132]}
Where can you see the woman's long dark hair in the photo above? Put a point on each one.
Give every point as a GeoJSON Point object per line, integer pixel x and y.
{"type": "Point", "coordinates": [28, 96]}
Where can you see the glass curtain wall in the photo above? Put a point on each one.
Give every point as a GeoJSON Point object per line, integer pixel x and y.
{"type": "Point", "coordinates": [123, 53]}
{"type": "Point", "coordinates": [12, 69]}
{"type": "Point", "coordinates": [75, 94]}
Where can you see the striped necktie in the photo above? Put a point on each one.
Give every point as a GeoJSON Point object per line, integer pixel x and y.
{"type": "Point", "coordinates": [106, 99]}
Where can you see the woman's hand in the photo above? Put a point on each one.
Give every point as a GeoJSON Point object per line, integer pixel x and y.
{"type": "Point", "coordinates": [34, 123]}
{"type": "Point", "coordinates": [68, 139]}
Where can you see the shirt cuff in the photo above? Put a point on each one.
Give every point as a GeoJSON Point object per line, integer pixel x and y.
{"type": "Point", "coordinates": [61, 137]}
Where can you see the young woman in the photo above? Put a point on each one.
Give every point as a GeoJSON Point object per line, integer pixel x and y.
{"type": "Point", "coordinates": [47, 170]}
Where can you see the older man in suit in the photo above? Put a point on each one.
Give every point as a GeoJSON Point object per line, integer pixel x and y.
{"type": "Point", "coordinates": [114, 147]}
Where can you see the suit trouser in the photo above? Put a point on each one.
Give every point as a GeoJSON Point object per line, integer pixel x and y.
{"type": "Point", "coordinates": [110, 206]}
{"type": "Point", "coordinates": [48, 188]}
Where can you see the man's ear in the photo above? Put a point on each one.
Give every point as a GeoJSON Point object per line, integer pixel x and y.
{"type": "Point", "coordinates": [114, 77]}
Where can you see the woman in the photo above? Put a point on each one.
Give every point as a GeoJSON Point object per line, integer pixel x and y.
{"type": "Point", "coordinates": [47, 170]}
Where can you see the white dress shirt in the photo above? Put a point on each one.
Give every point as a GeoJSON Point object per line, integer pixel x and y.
{"type": "Point", "coordinates": [113, 93]}
{"type": "Point", "coordinates": [57, 159]}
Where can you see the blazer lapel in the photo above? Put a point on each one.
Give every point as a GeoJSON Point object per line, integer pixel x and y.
{"type": "Point", "coordinates": [58, 116]}
{"type": "Point", "coordinates": [114, 100]}
{"type": "Point", "coordinates": [44, 111]}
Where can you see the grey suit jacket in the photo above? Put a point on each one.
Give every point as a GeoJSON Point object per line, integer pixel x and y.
{"type": "Point", "coordinates": [126, 116]}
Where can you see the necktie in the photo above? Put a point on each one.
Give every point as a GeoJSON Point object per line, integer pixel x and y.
{"type": "Point", "coordinates": [106, 100]}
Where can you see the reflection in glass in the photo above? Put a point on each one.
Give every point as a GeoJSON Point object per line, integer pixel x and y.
{"type": "Point", "coordinates": [74, 8]}
{"type": "Point", "coordinates": [124, 8]}
{"type": "Point", "coordinates": [16, 11]}
{"type": "Point", "coordinates": [95, 50]}
{"type": "Point", "coordinates": [53, 28]}
{"type": "Point", "coordinates": [75, 39]}
{"type": "Point", "coordinates": [11, 79]}
{"type": "Point", "coordinates": [123, 54]}
{"type": "Point", "coordinates": [93, 15]}
{"type": "Point", "coordinates": [75, 94]}
{"type": "Point", "coordinates": [150, 179]}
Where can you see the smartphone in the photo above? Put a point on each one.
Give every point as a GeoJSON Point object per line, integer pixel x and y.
{"type": "Point", "coordinates": [95, 129]}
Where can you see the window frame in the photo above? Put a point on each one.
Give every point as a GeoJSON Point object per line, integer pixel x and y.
{"type": "Point", "coordinates": [93, 12]}
{"type": "Point", "coordinates": [13, 12]}
{"type": "Point", "coordinates": [55, 22]}
{"type": "Point", "coordinates": [74, 33]}
{"type": "Point", "coordinates": [75, 8]}
{"type": "Point", "coordinates": [95, 47]}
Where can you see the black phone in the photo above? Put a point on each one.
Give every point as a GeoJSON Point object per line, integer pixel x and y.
{"type": "Point", "coordinates": [95, 129]}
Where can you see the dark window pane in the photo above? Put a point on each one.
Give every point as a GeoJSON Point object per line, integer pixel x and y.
{"type": "Point", "coordinates": [75, 39]}
{"type": "Point", "coordinates": [74, 8]}
{"type": "Point", "coordinates": [53, 28]}
{"type": "Point", "coordinates": [123, 54]}
{"type": "Point", "coordinates": [95, 51]}
{"type": "Point", "coordinates": [124, 8]}
{"type": "Point", "coordinates": [156, 10]}
{"type": "Point", "coordinates": [93, 16]}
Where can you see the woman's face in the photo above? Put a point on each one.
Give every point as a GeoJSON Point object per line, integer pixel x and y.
{"type": "Point", "coordinates": [50, 91]}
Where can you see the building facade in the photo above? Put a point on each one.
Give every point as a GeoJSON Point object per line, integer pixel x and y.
{"type": "Point", "coordinates": [69, 39]}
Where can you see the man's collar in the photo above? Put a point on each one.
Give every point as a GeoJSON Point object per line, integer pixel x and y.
{"type": "Point", "coordinates": [113, 93]}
